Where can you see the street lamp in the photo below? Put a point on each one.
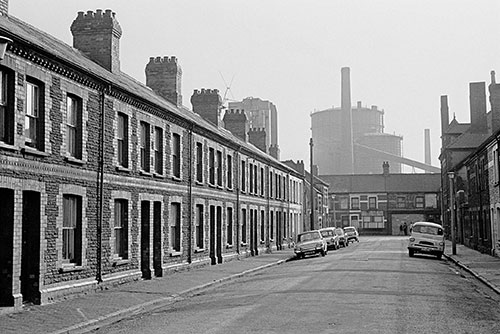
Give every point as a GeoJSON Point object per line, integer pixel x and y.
{"type": "Point", "coordinates": [451, 176]}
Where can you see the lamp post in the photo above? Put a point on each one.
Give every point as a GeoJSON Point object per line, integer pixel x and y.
{"type": "Point", "coordinates": [451, 176]}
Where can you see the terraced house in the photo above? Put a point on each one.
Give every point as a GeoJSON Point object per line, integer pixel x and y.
{"type": "Point", "coordinates": [104, 179]}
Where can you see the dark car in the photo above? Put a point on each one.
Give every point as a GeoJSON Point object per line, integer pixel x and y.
{"type": "Point", "coordinates": [343, 241]}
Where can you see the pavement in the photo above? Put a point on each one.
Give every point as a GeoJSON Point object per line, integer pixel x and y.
{"type": "Point", "coordinates": [84, 313]}
{"type": "Point", "coordinates": [484, 267]}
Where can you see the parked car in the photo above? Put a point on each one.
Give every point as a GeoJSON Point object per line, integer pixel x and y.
{"type": "Point", "coordinates": [352, 233]}
{"type": "Point", "coordinates": [332, 239]}
{"type": "Point", "coordinates": [342, 237]}
{"type": "Point", "coordinates": [310, 242]}
{"type": "Point", "coordinates": [426, 238]}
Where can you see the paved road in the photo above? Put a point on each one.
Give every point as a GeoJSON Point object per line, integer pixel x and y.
{"type": "Point", "coordinates": [368, 287]}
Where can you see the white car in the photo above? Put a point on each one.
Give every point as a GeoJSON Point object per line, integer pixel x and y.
{"type": "Point", "coordinates": [426, 238]}
{"type": "Point", "coordinates": [310, 242]}
{"type": "Point", "coordinates": [351, 233]}
{"type": "Point", "coordinates": [332, 239]}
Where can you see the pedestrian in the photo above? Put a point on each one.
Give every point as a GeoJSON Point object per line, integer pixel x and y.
{"type": "Point", "coordinates": [405, 228]}
{"type": "Point", "coordinates": [400, 229]}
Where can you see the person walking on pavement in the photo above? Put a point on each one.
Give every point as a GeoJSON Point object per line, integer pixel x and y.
{"type": "Point", "coordinates": [405, 228]}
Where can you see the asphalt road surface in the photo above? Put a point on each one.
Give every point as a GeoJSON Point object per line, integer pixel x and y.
{"type": "Point", "coordinates": [368, 287]}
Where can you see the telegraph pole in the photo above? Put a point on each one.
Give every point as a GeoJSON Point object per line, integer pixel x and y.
{"type": "Point", "coordinates": [312, 183]}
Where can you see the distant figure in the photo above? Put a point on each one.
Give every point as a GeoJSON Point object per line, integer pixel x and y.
{"type": "Point", "coordinates": [400, 229]}
{"type": "Point", "coordinates": [411, 227]}
{"type": "Point", "coordinates": [405, 228]}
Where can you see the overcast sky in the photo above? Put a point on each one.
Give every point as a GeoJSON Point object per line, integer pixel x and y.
{"type": "Point", "coordinates": [403, 54]}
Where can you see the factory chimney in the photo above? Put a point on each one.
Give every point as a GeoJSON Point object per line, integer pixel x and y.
{"type": "Point", "coordinates": [427, 147]}
{"type": "Point", "coordinates": [347, 158]}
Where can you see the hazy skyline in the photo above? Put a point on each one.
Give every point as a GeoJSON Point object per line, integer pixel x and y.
{"type": "Point", "coordinates": [403, 55]}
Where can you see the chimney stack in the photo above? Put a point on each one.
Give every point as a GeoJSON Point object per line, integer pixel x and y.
{"type": "Point", "coordinates": [478, 121]}
{"type": "Point", "coordinates": [385, 168]}
{"type": "Point", "coordinates": [164, 76]}
{"type": "Point", "coordinates": [97, 35]}
{"type": "Point", "coordinates": [257, 137]}
{"type": "Point", "coordinates": [494, 90]}
{"type": "Point", "coordinates": [347, 163]}
{"type": "Point", "coordinates": [207, 103]}
{"type": "Point", "coordinates": [274, 151]}
{"type": "Point", "coordinates": [235, 120]}
{"type": "Point", "coordinates": [445, 114]}
{"type": "Point", "coordinates": [4, 7]}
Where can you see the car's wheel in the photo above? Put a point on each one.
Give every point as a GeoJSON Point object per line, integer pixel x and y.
{"type": "Point", "coordinates": [411, 252]}
{"type": "Point", "coordinates": [323, 252]}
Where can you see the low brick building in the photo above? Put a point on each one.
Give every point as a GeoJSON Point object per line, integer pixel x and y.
{"type": "Point", "coordinates": [104, 179]}
{"type": "Point", "coordinates": [382, 203]}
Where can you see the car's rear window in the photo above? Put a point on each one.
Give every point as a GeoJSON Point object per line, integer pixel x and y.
{"type": "Point", "coordinates": [427, 229]}
{"type": "Point", "coordinates": [307, 236]}
{"type": "Point", "coordinates": [349, 229]}
{"type": "Point", "coordinates": [338, 232]}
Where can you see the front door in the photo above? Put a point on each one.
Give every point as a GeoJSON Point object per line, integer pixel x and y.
{"type": "Point", "coordinates": [30, 258]}
{"type": "Point", "coordinates": [145, 251]}
{"type": "Point", "coordinates": [6, 246]}
{"type": "Point", "coordinates": [212, 234]}
{"type": "Point", "coordinates": [219, 234]}
{"type": "Point", "coordinates": [157, 265]}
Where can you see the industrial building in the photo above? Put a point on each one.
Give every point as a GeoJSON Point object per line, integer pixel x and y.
{"type": "Point", "coordinates": [351, 140]}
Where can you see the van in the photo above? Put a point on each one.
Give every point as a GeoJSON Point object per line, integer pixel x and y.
{"type": "Point", "coordinates": [426, 238]}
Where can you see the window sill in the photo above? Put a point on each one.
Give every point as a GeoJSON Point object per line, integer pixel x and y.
{"type": "Point", "coordinates": [158, 176]}
{"type": "Point", "coordinates": [175, 254]}
{"type": "Point", "coordinates": [244, 244]}
{"type": "Point", "coordinates": [220, 187]}
{"type": "Point", "coordinates": [211, 185]}
{"type": "Point", "coordinates": [33, 151]}
{"type": "Point", "coordinates": [199, 183]}
{"type": "Point", "coordinates": [176, 178]}
{"type": "Point", "coordinates": [122, 169]}
{"type": "Point", "coordinates": [262, 242]}
{"type": "Point", "coordinates": [229, 188]}
{"type": "Point", "coordinates": [67, 268]}
{"type": "Point", "coordinates": [120, 262]}
{"type": "Point", "coordinates": [9, 147]}
{"type": "Point", "coordinates": [271, 240]}
{"type": "Point", "coordinates": [228, 246]}
{"type": "Point", "coordinates": [199, 250]}
{"type": "Point", "coordinates": [145, 173]}
{"type": "Point", "coordinates": [74, 160]}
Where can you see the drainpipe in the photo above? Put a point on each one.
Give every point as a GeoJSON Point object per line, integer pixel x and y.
{"type": "Point", "coordinates": [237, 184]}
{"type": "Point", "coordinates": [100, 187]}
{"type": "Point", "coordinates": [190, 195]}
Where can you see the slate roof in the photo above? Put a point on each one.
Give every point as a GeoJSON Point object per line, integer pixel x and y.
{"type": "Point", "coordinates": [371, 183]}
{"type": "Point", "coordinates": [45, 43]}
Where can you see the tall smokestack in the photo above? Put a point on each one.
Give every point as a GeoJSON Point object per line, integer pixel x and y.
{"type": "Point", "coordinates": [347, 163]}
{"type": "Point", "coordinates": [445, 114]}
{"type": "Point", "coordinates": [427, 146]}
{"type": "Point", "coordinates": [478, 122]}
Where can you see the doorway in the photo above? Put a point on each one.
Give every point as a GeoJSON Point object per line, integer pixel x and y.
{"type": "Point", "coordinates": [145, 247]}
{"type": "Point", "coordinates": [30, 250]}
{"type": "Point", "coordinates": [157, 260]}
{"type": "Point", "coordinates": [213, 257]}
{"type": "Point", "coordinates": [6, 246]}
{"type": "Point", "coordinates": [219, 235]}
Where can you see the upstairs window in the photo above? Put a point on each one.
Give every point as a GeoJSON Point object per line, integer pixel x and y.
{"type": "Point", "coordinates": [419, 202]}
{"type": "Point", "coordinates": [34, 117]}
{"type": "Point", "coordinates": [219, 168]}
{"type": "Point", "coordinates": [355, 203]}
{"type": "Point", "coordinates": [6, 107]}
{"type": "Point", "coordinates": [144, 146]}
{"type": "Point", "coordinates": [401, 202]}
{"type": "Point", "coordinates": [372, 202]}
{"type": "Point", "coordinates": [122, 140]}
{"type": "Point", "coordinates": [199, 162]}
{"type": "Point", "coordinates": [229, 171]}
{"type": "Point", "coordinates": [211, 166]}
{"type": "Point", "coordinates": [158, 149]}
{"type": "Point", "coordinates": [74, 126]}
{"type": "Point", "coordinates": [176, 155]}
